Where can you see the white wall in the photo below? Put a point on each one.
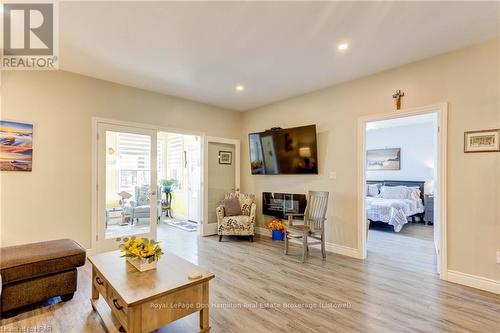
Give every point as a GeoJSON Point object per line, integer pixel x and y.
{"type": "Point", "coordinates": [418, 151]}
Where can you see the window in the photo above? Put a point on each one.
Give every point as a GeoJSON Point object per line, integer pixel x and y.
{"type": "Point", "coordinates": [134, 156]}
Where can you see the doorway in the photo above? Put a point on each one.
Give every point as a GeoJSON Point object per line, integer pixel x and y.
{"type": "Point", "coordinates": [402, 186]}
{"type": "Point", "coordinates": [221, 176]}
{"type": "Point", "coordinates": [179, 174]}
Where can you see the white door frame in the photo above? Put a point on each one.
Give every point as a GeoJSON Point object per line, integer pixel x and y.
{"type": "Point", "coordinates": [94, 163]}
{"type": "Point", "coordinates": [442, 119]}
{"type": "Point", "coordinates": [206, 228]}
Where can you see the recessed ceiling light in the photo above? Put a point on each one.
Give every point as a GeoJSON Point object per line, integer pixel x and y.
{"type": "Point", "coordinates": [342, 47]}
{"type": "Point", "coordinates": [239, 87]}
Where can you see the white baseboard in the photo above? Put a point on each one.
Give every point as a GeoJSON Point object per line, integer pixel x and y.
{"type": "Point", "coordinates": [330, 247]}
{"type": "Point", "coordinates": [474, 281]}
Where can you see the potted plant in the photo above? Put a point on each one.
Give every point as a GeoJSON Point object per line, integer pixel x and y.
{"type": "Point", "coordinates": [277, 228]}
{"type": "Point", "coordinates": [167, 185]}
{"type": "Point", "coordinates": [142, 253]}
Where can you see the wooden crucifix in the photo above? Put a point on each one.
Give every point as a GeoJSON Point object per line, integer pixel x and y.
{"type": "Point", "coordinates": [397, 97]}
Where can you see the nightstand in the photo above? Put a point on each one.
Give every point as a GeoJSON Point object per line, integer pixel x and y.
{"type": "Point", "coordinates": [429, 208]}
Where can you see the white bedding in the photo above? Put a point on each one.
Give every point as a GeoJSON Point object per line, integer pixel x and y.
{"type": "Point", "coordinates": [392, 211]}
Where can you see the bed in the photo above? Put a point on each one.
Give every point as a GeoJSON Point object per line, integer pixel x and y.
{"type": "Point", "coordinates": [395, 203]}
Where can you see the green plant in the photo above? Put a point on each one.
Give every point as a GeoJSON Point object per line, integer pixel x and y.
{"type": "Point", "coordinates": [168, 182]}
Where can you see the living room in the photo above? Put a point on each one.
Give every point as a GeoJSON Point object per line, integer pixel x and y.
{"type": "Point", "coordinates": [221, 78]}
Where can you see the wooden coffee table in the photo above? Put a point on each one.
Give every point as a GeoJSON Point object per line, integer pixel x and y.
{"type": "Point", "coordinates": [145, 301]}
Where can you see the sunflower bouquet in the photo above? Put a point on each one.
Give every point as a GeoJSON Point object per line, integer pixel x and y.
{"type": "Point", "coordinates": [140, 248]}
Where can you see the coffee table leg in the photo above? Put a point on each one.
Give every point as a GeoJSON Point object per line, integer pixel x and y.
{"type": "Point", "coordinates": [204, 322]}
{"type": "Point", "coordinates": [204, 325]}
{"type": "Point", "coordinates": [95, 292]}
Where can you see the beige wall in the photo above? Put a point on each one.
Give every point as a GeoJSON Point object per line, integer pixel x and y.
{"type": "Point", "coordinates": [54, 200]}
{"type": "Point", "coordinates": [469, 80]}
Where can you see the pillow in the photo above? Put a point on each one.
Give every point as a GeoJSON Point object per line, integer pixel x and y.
{"type": "Point", "coordinates": [400, 192]}
{"type": "Point", "coordinates": [394, 192]}
{"type": "Point", "coordinates": [372, 190]}
{"type": "Point", "coordinates": [231, 206]}
{"type": "Point", "coordinates": [414, 193]}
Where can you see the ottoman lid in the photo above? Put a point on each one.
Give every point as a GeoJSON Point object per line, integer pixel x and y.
{"type": "Point", "coordinates": [26, 261]}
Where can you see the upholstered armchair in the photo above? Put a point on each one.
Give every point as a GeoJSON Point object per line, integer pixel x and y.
{"type": "Point", "coordinates": [240, 225]}
{"type": "Point", "coordinates": [140, 206]}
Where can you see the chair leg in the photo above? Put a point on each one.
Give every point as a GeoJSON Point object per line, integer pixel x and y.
{"type": "Point", "coordinates": [286, 244]}
{"type": "Point", "coordinates": [304, 248]}
{"type": "Point", "coordinates": [251, 239]}
{"type": "Point", "coordinates": [220, 238]}
{"type": "Point", "coordinates": [323, 251]}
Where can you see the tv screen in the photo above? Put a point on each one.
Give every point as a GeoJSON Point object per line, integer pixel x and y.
{"type": "Point", "coordinates": [284, 151]}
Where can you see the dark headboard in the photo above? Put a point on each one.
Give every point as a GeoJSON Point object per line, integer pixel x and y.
{"type": "Point", "coordinates": [409, 183]}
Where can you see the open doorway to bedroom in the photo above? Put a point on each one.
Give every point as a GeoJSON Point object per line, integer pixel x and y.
{"type": "Point", "coordinates": [401, 198]}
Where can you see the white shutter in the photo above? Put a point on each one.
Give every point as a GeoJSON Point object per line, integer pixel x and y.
{"type": "Point", "coordinates": [175, 151]}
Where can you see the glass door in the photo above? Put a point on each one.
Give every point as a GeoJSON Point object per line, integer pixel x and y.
{"type": "Point", "coordinates": [127, 190]}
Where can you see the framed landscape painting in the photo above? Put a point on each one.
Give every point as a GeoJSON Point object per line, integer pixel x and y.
{"type": "Point", "coordinates": [482, 141]}
{"type": "Point", "coordinates": [16, 146]}
{"type": "Point", "coordinates": [383, 159]}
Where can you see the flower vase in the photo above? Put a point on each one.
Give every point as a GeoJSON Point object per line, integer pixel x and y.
{"type": "Point", "coordinates": [142, 264]}
{"type": "Point", "coordinates": [278, 235]}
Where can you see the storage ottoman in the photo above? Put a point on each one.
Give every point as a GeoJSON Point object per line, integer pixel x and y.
{"type": "Point", "coordinates": [32, 273]}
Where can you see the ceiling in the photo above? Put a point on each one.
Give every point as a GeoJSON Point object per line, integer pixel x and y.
{"type": "Point", "coordinates": [202, 50]}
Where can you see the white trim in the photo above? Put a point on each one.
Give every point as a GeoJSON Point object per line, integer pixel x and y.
{"type": "Point", "coordinates": [146, 126]}
{"type": "Point", "coordinates": [442, 111]}
{"type": "Point", "coordinates": [474, 281]}
{"type": "Point", "coordinates": [211, 228]}
{"type": "Point", "coordinates": [329, 247]}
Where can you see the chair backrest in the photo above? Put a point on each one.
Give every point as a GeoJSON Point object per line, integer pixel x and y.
{"type": "Point", "coordinates": [315, 213]}
{"type": "Point", "coordinates": [142, 196]}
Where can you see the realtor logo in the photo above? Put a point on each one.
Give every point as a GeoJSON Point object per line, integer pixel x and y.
{"type": "Point", "coordinates": [29, 36]}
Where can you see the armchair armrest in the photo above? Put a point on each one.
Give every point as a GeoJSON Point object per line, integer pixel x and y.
{"type": "Point", "coordinates": [220, 214]}
{"type": "Point", "coordinates": [253, 209]}
{"type": "Point", "coordinates": [291, 216]}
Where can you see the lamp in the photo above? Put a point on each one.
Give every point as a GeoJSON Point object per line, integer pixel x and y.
{"type": "Point", "coordinates": [305, 152]}
{"type": "Point", "coordinates": [429, 183]}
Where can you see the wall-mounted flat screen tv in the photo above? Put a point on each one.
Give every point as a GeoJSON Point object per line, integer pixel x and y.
{"type": "Point", "coordinates": [284, 151]}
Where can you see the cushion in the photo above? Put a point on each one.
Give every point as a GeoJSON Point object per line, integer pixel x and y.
{"type": "Point", "coordinates": [37, 259]}
{"type": "Point", "coordinates": [231, 206]}
{"type": "Point", "coordinates": [236, 225]}
{"type": "Point", "coordinates": [399, 192]}
{"type": "Point", "coordinates": [372, 190]}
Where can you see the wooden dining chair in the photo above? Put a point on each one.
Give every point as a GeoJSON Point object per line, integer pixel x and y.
{"type": "Point", "coordinates": [313, 226]}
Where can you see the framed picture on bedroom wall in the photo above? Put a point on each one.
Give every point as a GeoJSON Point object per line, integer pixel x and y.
{"type": "Point", "coordinates": [383, 159]}
{"type": "Point", "coordinates": [482, 141]}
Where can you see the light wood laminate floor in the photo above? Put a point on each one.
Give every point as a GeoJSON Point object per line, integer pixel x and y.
{"type": "Point", "coordinates": [255, 283]}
